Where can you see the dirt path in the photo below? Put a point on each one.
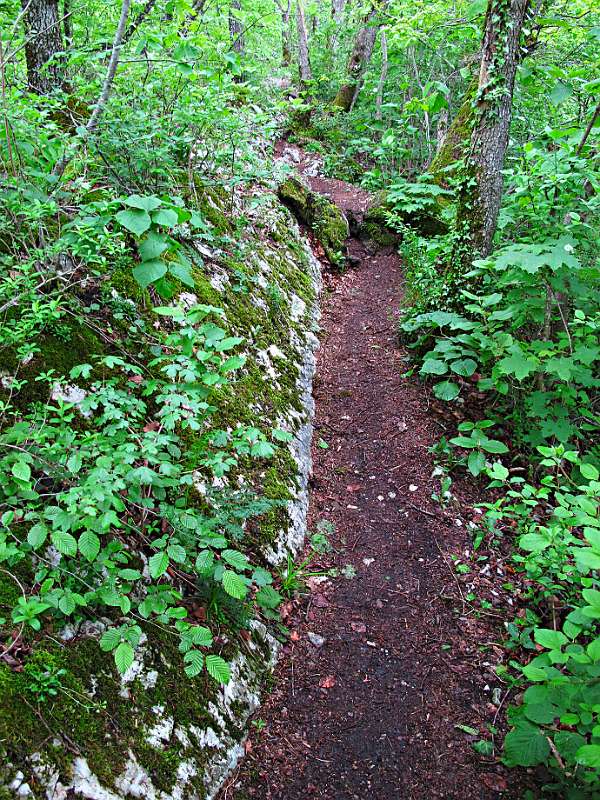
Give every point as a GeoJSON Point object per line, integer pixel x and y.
{"type": "Point", "coordinates": [370, 709]}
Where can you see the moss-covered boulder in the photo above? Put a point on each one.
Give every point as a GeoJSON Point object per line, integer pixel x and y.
{"type": "Point", "coordinates": [323, 217]}
{"type": "Point", "coordinates": [376, 225]}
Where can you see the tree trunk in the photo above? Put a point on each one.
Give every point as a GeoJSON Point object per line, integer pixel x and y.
{"type": "Point", "coordinates": [382, 75]}
{"type": "Point", "coordinates": [286, 32]}
{"type": "Point", "coordinates": [359, 58]}
{"type": "Point", "coordinates": [43, 41]}
{"type": "Point", "coordinates": [303, 52]}
{"type": "Point", "coordinates": [236, 32]}
{"type": "Point", "coordinates": [481, 194]}
{"type": "Point", "coordinates": [442, 128]}
{"type": "Point", "coordinates": [67, 24]}
{"type": "Point", "coordinates": [337, 13]}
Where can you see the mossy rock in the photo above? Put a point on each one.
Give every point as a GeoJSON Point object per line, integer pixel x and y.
{"type": "Point", "coordinates": [322, 216]}
{"type": "Point", "coordinates": [375, 225]}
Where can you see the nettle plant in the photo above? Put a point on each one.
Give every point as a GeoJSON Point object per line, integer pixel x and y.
{"type": "Point", "coordinates": [102, 514]}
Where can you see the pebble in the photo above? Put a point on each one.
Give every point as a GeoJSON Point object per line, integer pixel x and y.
{"type": "Point", "coordinates": [315, 639]}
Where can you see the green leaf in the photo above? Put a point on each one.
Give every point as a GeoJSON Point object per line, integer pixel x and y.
{"type": "Point", "coordinates": [525, 746]}
{"type": "Point", "coordinates": [166, 217]}
{"type": "Point", "coordinates": [464, 366]}
{"type": "Point", "coordinates": [66, 604]}
{"type": "Point", "coordinates": [433, 366]}
{"type": "Point", "coordinates": [560, 93]}
{"type": "Point", "coordinates": [194, 663]}
{"type": "Point", "coordinates": [236, 559]}
{"type": "Point", "coordinates": [146, 202]}
{"type": "Point", "coordinates": [124, 657]}
{"type": "Point", "coordinates": [182, 272]}
{"type": "Point", "coordinates": [446, 390]}
{"type": "Point", "coordinates": [135, 221]}
{"type": "Point", "coordinates": [153, 246]}
{"type": "Point", "coordinates": [37, 535]}
{"type": "Point", "coordinates": [268, 597]}
{"type": "Point", "coordinates": [177, 553]}
{"type": "Point", "coordinates": [218, 668]}
{"type": "Point", "coordinates": [589, 472]}
{"type": "Point", "coordinates": [234, 584]}
{"type": "Point", "coordinates": [551, 639]}
{"type": "Point", "coordinates": [64, 543]}
{"type": "Point", "coordinates": [494, 446]}
{"type": "Point", "coordinates": [534, 542]}
{"type": "Point", "coordinates": [518, 364]}
{"type": "Point", "coordinates": [148, 272]}
{"type": "Point", "coordinates": [22, 471]}
{"type": "Point", "coordinates": [158, 564]}
{"type": "Point", "coordinates": [110, 639]}
{"type": "Point", "coordinates": [205, 562]}
{"type": "Point", "coordinates": [589, 755]}
{"type": "Point", "coordinates": [476, 462]}
{"type": "Point", "coordinates": [498, 472]}
{"type": "Point", "coordinates": [89, 545]}
{"type": "Point", "coordinates": [593, 650]}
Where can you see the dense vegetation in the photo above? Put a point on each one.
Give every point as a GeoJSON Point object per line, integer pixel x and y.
{"type": "Point", "coordinates": [134, 134]}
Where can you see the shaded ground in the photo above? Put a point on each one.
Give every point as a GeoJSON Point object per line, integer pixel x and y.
{"type": "Point", "coordinates": [371, 710]}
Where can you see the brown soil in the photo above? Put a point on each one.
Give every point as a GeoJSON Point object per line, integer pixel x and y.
{"type": "Point", "coordinates": [372, 712]}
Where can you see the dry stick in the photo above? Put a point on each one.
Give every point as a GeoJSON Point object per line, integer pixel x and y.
{"type": "Point", "coordinates": [383, 75]}
{"type": "Point", "coordinates": [588, 130]}
{"type": "Point", "coordinates": [93, 121]}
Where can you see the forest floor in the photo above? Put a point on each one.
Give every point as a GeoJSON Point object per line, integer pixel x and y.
{"type": "Point", "coordinates": [383, 687]}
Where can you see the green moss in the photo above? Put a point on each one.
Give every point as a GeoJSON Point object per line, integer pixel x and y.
{"type": "Point", "coordinates": [123, 282]}
{"type": "Point", "coordinates": [69, 343]}
{"type": "Point", "coordinates": [320, 214]}
{"type": "Point", "coordinates": [457, 139]}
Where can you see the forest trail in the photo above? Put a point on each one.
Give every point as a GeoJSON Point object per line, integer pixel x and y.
{"type": "Point", "coordinates": [378, 673]}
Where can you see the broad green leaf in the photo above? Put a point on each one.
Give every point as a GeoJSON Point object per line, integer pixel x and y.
{"type": "Point", "coordinates": [148, 272]}
{"type": "Point", "coordinates": [166, 217]}
{"type": "Point", "coordinates": [110, 639]}
{"type": "Point", "coordinates": [534, 542]}
{"type": "Point", "coordinates": [446, 390]}
{"type": "Point", "coordinates": [235, 559]}
{"type": "Point", "coordinates": [89, 545]}
{"type": "Point", "coordinates": [494, 446]}
{"type": "Point", "coordinates": [518, 364]}
{"type": "Point", "coordinates": [560, 93]}
{"type": "Point", "coordinates": [205, 561]}
{"type": "Point", "coordinates": [476, 462]}
{"type": "Point", "coordinates": [218, 668]}
{"type": "Point", "coordinates": [158, 564]}
{"type": "Point", "coordinates": [144, 202]}
{"type": "Point", "coordinates": [589, 755]}
{"type": "Point", "coordinates": [589, 472]}
{"type": "Point", "coordinates": [37, 535]}
{"type": "Point", "coordinates": [194, 663]}
{"type": "Point", "coordinates": [134, 220]}
{"type": "Point", "coordinates": [551, 639]}
{"type": "Point", "coordinates": [22, 471]}
{"type": "Point", "coordinates": [433, 366]}
{"type": "Point", "coordinates": [153, 246]}
{"type": "Point", "coordinates": [124, 657]}
{"type": "Point", "coordinates": [234, 584]}
{"type": "Point", "coordinates": [64, 543]}
{"type": "Point", "coordinates": [525, 746]}
{"type": "Point", "coordinates": [183, 273]}
{"type": "Point", "coordinates": [464, 366]}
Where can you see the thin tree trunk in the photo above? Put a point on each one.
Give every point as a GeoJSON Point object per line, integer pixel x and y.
{"type": "Point", "coordinates": [93, 121]}
{"type": "Point", "coordinates": [67, 24]}
{"type": "Point", "coordinates": [135, 24]}
{"type": "Point", "coordinates": [286, 32]}
{"type": "Point", "coordinates": [303, 52]}
{"type": "Point", "coordinates": [442, 128]}
{"type": "Point", "coordinates": [479, 201]}
{"type": "Point", "coordinates": [359, 58]}
{"type": "Point", "coordinates": [43, 42]}
{"type": "Point", "coordinates": [236, 33]}
{"type": "Point", "coordinates": [337, 14]}
{"type": "Point", "coordinates": [382, 75]}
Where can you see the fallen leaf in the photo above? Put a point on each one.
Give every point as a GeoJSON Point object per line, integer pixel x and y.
{"type": "Point", "coordinates": [295, 636]}
{"type": "Point", "coordinates": [358, 627]}
{"type": "Point", "coordinates": [327, 683]}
